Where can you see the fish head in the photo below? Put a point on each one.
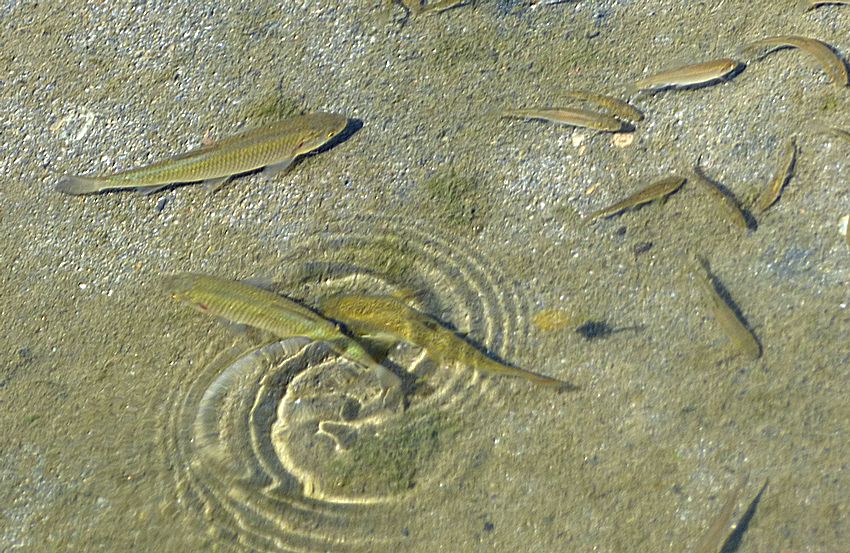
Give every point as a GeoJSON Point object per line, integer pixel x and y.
{"type": "Point", "coordinates": [182, 288]}
{"type": "Point", "coordinates": [319, 129]}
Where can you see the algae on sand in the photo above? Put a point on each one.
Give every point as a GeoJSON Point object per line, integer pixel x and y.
{"type": "Point", "coordinates": [457, 200]}
{"type": "Point", "coordinates": [392, 461]}
{"type": "Point", "coordinates": [271, 105]}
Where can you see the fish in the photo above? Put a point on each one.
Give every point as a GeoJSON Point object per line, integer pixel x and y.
{"type": "Point", "coordinates": [783, 173]}
{"type": "Point", "coordinates": [570, 116]}
{"type": "Point", "coordinates": [386, 316]}
{"type": "Point", "coordinates": [712, 540]}
{"type": "Point", "coordinates": [689, 75]}
{"type": "Point", "coordinates": [275, 146]}
{"type": "Point", "coordinates": [442, 5]}
{"type": "Point", "coordinates": [742, 338]}
{"type": "Point", "coordinates": [822, 52]}
{"type": "Point", "coordinates": [252, 306]}
{"type": "Point", "coordinates": [413, 7]}
{"type": "Point", "coordinates": [730, 206]}
{"type": "Point", "coordinates": [840, 133]}
{"type": "Point", "coordinates": [659, 189]}
{"type": "Point", "coordinates": [618, 108]}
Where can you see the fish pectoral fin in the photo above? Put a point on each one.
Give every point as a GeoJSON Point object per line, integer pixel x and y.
{"type": "Point", "coordinates": [252, 334]}
{"type": "Point", "coordinates": [148, 190]}
{"type": "Point", "coordinates": [214, 185]}
{"type": "Point", "coordinates": [261, 282]}
{"type": "Point", "coordinates": [283, 167]}
{"type": "Point", "coordinates": [379, 344]}
{"type": "Point", "coordinates": [239, 329]}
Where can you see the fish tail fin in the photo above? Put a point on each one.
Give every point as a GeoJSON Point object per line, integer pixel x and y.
{"type": "Point", "coordinates": [513, 113]}
{"type": "Point", "coordinates": [75, 185]}
{"type": "Point", "coordinates": [550, 382]}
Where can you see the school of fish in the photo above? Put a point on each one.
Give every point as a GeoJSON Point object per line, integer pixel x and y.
{"type": "Point", "coordinates": [348, 322]}
{"type": "Point", "coordinates": [274, 148]}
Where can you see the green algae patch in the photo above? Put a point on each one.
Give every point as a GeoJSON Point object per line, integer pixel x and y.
{"type": "Point", "coordinates": [388, 256]}
{"type": "Point", "coordinates": [271, 105]}
{"type": "Point", "coordinates": [829, 104]}
{"type": "Point", "coordinates": [393, 460]}
{"type": "Point", "coordinates": [456, 200]}
{"type": "Point", "coordinates": [552, 319]}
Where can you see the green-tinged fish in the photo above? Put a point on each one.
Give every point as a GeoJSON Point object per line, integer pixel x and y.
{"type": "Point", "coordinates": [618, 108]}
{"type": "Point", "coordinates": [712, 540]}
{"type": "Point", "coordinates": [657, 190]}
{"type": "Point", "coordinates": [379, 316]}
{"type": "Point", "coordinates": [570, 116]}
{"type": "Point", "coordinates": [832, 64]}
{"type": "Point", "coordinates": [741, 336]}
{"type": "Point", "coordinates": [783, 173]}
{"type": "Point", "coordinates": [689, 75]}
{"type": "Point", "coordinates": [252, 306]}
{"type": "Point", "coordinates": [275, 146]}
{"type": "Point", "coordinates": [730, 206]}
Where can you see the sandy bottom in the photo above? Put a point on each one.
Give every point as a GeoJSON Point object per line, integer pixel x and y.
{"type": "Point", "coordinates": [477, 221]}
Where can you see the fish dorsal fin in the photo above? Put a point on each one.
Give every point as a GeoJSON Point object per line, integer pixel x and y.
{"type": "Point", "coordinates": [270, 171]}
{"type": "Point", "coordinates": [265, 283]}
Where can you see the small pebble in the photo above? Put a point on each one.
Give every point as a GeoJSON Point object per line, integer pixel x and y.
{"type": "Point", "coordinates": [622, 139]}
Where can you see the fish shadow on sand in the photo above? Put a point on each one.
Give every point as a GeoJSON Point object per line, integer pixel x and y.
{"type": "Point", "coordinates": [733, 542]}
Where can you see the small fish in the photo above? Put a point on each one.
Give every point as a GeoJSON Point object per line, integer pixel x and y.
{"type": "Point", "coordinates": [618, 108]}
{"type": "Point", "coordinates": [413, 7]}
{"type": "Point", "coordinates": [570, 116]}
{"type": "Point", "coordinates": [689, 75]}
{"type": "Point", "coordinates": [713, 538]}
{"type": "Point", "coordinates": [741, 336]}
{"type": "Point", "coordinates": [840, 133]}
{"type": "Point", "coordinates": [832, 64]}
{"type": "Point", "coordinates": [658, 189]}
{"type": "Point", "coordinates": [771, 193]}
{"type": "Point", "coordinates": [367, 315]}
{"type": "Point", "coordinates": [252, 306]}
{"type": "Point", "coordinates": [730, 206]}
{"type": "Point", "coordinates": [441, 6]}
{"type": "Point", "coordinates": [275, 147]}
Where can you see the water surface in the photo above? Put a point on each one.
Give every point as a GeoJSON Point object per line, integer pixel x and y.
{"type": "Point", "coordinates": [480, 218]}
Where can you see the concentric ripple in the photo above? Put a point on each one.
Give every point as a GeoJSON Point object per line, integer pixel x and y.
{"type": "Point", "coordinates": [442, 276]}
{"type": "Point", "coordinates": [287, 447]}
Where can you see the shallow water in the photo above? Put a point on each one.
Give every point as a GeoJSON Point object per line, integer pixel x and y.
{"type": "Point", "coordinates": [479, 221]}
